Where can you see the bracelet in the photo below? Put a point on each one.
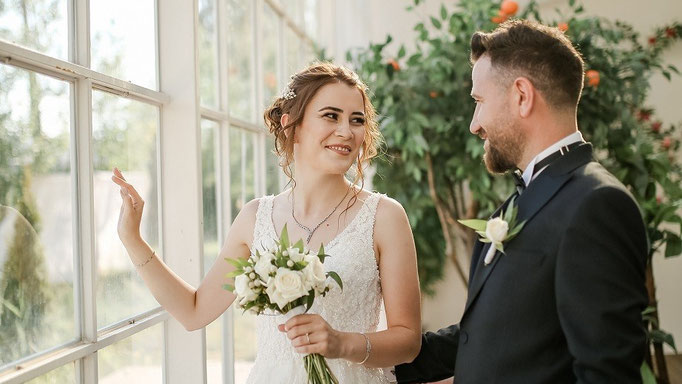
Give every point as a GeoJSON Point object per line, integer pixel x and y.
{"type": "Point", "coordinates": [142, 264]}
{"type": "Point", "coordinates": [368, 349]}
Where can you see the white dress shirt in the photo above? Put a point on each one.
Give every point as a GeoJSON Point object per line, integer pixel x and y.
{"type": "Point", "coordinates": [528, 175]}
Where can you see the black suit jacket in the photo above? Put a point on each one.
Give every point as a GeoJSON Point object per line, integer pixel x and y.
{"type": "Point", "coordinates": [564, 303]}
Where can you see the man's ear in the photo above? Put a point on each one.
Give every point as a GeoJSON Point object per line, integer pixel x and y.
{"type": "Point", "coordinates": [525, 95]}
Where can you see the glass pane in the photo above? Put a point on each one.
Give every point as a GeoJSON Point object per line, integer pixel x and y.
{"type": "Point", "coordinates": [270, 57]}
{"type": "Point", "coordinates": [310, 17]}
{"type": "Point", "coordinates": [208, 53]}
{"type": "Point", "coordinates": [36, 237]}
{"type": "Point", "coordinates": [244, 343]}
{"type": "Point", "coordinates": [214, 352]}
{"type": "Point", "coordinates": [294, 49]}
{"type": "Point", "coordinates": [65, 374]}
{"type": "Point", "coordinates": [294, 10]}
{"type": "Point", "coordinates": [134, 360]}
{"type": "Point", "coordinates": [240, 59]}
{"type": "Point", "coordinates": [124, 136]}
{"type": "Point", "coordinates": [209, 135]}
{"type": "Point", "coordinates": [272, 168]}
{"type": "Point", "coordinates": [242, 169]}
{"type": "Point", "coordinates": [242, 190]}
{"type": "Point", "coordinates": [123, 40]}
{"type": "Point", "coordinates": [37, 24]}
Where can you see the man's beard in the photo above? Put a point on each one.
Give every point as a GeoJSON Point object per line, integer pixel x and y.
{"type": "Point", "coordinates": [505, 149]}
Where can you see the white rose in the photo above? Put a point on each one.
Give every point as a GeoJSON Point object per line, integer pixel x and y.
{"type": "Point", "coordinates": [267, 245]}
{"type": "Point", "coordinates": [242, 289]}
{"type": "Point", "coordinates": [315, 275]}
{"type": "Point", "coordinates": [295, 255]}
{"type": "Point", "coordinates": [496, 230]}
{"type": "Point", "coordinates": [264, 265]}
{"type": "Point", "coordinates": [286, 287]}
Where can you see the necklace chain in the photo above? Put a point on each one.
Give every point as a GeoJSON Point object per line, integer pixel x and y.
{"type": "Point", "coordinates": [307, 229]}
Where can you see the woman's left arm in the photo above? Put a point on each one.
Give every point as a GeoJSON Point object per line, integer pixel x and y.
{"type": "Point", "coordinates": [400, 343]}
{"type": "Point", "coordinates": [397, 258]}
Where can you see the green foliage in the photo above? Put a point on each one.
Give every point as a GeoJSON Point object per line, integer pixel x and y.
{"type": "Point", "coordinates": [425, 108]}
{"type": "Point", "coordinates": [24, 292]}
{"type": "Point", "coordinates": [433, 164]}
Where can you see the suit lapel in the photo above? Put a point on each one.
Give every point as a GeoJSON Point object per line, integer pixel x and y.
{"type": "Point", "coordinates": [538, 193]}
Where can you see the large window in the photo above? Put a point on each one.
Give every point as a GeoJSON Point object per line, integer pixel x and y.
{"type": "Point", "coordinates": [84, 89]}
{"type": "Point", "coordinates": [248, 49]}
{"type": "Point", "coordinates": [65, 121]}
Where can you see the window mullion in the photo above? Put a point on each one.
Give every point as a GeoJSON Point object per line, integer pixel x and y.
{"type": "Point", "coordinates": [82, 102]}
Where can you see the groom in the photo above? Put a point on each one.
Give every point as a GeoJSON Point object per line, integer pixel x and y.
{"type": "Point", "coordinates": [563, 303]}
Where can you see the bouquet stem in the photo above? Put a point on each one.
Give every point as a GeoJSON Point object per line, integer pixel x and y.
{"type": "Point", "coordinates": [318, 370]}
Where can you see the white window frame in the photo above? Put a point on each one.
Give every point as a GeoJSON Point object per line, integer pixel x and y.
{"type": "Point", "coordinates": [179, 177]}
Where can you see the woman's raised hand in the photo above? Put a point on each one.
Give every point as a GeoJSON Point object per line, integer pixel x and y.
{"type": "Point", "coordinates": [131, 210]}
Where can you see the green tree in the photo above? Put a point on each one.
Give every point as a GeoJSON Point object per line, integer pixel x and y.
{"type": "Point", "coordinates": [424, 101]}
{"type": "Point", "coordinates": [23, 288]}
{"type": "Point", "coordinates": [24, 150]}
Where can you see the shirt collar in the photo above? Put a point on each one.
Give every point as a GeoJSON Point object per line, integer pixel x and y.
{"type": "Point", "coordinates": [528, 175]}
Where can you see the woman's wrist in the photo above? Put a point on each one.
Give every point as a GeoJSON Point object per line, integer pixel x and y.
{"type": "Point", "coordinates": [356, 347]}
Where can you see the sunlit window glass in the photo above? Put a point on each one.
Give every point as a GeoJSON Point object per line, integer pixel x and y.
{"type": "Point", "coordinates": [124, 136]}
{"type": "Point", "coordinates": [240, 59]}
{"type": "Point", "coordinates": [36, 215]}
{"type": "Point", "coordinates": [40, 25]}
{"type": "Point", "coordinates": [123, 40]}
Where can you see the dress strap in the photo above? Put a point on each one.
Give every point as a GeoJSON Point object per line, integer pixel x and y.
{"type": "Point", "coordinates": [261, 229]}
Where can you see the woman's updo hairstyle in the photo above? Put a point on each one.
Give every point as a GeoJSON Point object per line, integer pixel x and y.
{"type": "Point", "coordinates": [296, 96]}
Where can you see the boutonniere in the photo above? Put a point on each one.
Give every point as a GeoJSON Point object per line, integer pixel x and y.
{"type": "Point", "coordinates": [497, 230]}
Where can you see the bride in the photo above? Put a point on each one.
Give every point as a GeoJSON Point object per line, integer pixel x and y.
{"type": "Point", "coordinates": [323, 124]}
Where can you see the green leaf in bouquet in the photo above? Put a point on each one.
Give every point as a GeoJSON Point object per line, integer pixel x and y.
{"type": "Point", "coordinates": [235, 273]}
{"type": "Point", "coordinates": [320, 253]}
{"type": "Point", "coordinates": [477, 225]}
{"type": "Point", "coordinates": [309, 300]}
{"type": "Point", "coordinates": [336, 278]}
{"type": "Point", "coordinates": [238, 263]}
{"type": "Point", "coordinates": [228, 287]}
{"type": "Point", "coordinates": [299, 245]}
{"type": "Point", "coordinates": [284, 238]}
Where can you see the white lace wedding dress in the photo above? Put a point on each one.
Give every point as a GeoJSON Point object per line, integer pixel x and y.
{"type": "Point", "coordinates": [355, 309]}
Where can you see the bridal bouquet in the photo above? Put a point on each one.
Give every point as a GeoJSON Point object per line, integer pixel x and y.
{"type": "Point", "coordinates": [285, 278]}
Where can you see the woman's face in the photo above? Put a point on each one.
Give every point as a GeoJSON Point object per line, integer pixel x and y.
{"type": "Point", "coordinates": [332, 131]}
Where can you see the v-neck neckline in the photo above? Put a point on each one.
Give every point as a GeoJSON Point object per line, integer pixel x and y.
{"type": "Point", "coordinates": [331, 242]}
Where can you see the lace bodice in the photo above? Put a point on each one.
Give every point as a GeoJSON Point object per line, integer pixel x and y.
{"type": "Point", "coordinates": [355, 309]}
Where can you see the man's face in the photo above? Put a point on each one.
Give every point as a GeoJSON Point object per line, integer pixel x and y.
{"type": "Point", "coordinates": [494, 119]}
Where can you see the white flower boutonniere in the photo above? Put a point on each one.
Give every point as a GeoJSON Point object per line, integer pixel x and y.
{"type": "Point", "coordinates": [497, 230]}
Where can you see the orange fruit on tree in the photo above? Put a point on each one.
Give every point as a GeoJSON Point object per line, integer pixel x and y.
{"type": "Point", "coordinates": [394, 64]}
{"type": "Point", "coordinates": [563, 27]}
{"type": "Point", "coordinates": [509, 7]}
{"type": "Point", "coordinates": [498, 19]}
{"type": "Point", "coordinates": [592, 77]}
{"type": "Point", "coordinates": [656, 126]}
{"type": "Point", "coordinates": [433, 94]}
{"type": "Point", "coordinates": [667, 142]}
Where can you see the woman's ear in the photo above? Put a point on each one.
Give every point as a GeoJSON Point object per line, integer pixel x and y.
{"type": "Point", "coordinates": [284, 120]}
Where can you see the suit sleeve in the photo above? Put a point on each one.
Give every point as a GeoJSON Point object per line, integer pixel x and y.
{"type": "Point", "coordinates": [436, 359]}
{"type": "Point", "coordinates": [600, 288]}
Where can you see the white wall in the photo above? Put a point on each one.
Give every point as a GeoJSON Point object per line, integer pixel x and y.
{"type": "Point", "coordinates": [361, 22]}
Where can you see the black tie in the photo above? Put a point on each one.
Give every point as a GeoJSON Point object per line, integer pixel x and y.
{"type": "Point", "coordinates": [518, 176]}
{"type": "Point", "coordinates": [518, 181]}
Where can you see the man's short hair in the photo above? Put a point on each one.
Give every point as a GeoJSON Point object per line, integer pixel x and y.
{"type": "Point", "coordinates": [538, 52]}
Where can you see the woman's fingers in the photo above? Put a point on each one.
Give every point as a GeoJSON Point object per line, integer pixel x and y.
{"type": "Point", "coordinates": [127, 187]}
{"type": "Point", "coordinates": [301, 330]}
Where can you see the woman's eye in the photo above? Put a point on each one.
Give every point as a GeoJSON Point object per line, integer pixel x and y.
{"type": "Point", "coordinates": [358, 121]}
{"type": "Point", "coordinates": [331, 115]}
